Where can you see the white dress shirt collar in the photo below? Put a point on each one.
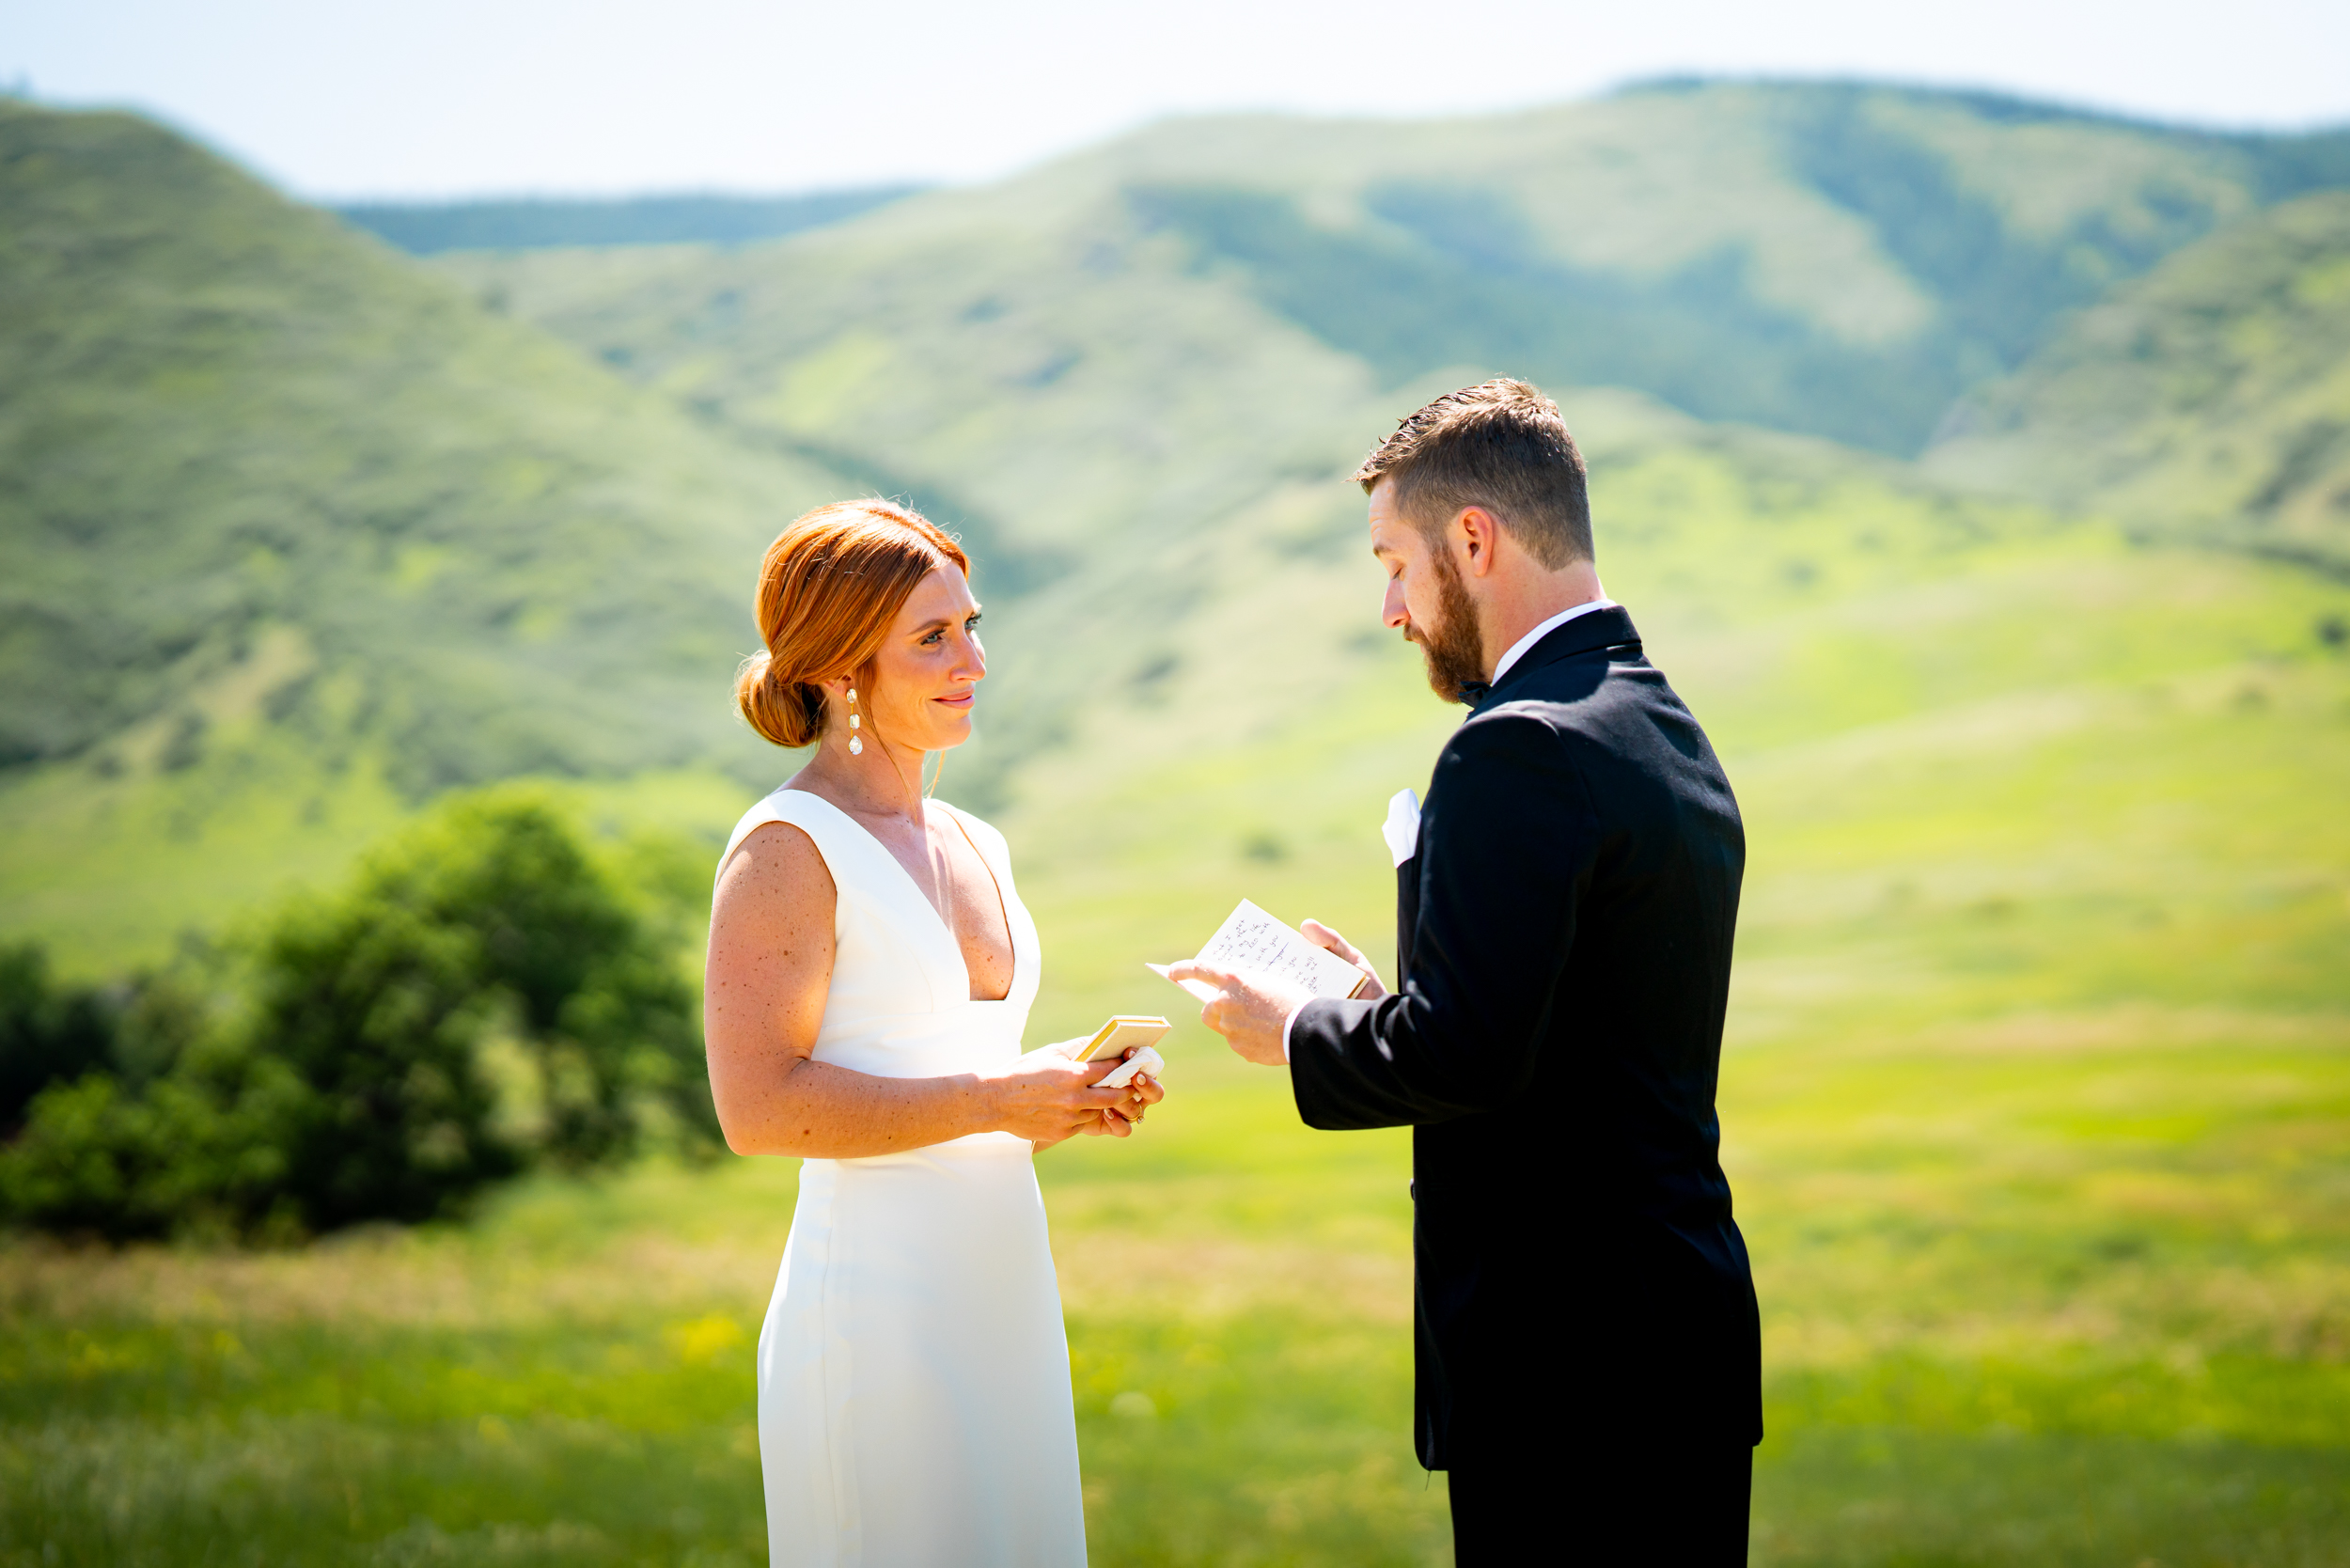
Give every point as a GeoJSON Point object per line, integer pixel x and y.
{"type": "Point", "coordinates": [1518, 648]}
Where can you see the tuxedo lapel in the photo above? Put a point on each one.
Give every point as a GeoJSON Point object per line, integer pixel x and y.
{"type": "Point", "coordinates": [1610, 629]}
{"type": "Point", "coordinates": [1406, 915]}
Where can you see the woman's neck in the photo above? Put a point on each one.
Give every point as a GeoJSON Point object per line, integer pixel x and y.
{"type": "Point", "coordinates": [884, 782]}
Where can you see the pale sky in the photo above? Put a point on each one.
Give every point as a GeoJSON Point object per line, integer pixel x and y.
{"type": "Point", "coordinates": [438, 97]}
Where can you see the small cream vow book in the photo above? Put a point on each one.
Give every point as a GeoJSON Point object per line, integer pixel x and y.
{"type": "Point", "coordinates": [1253, 941]}
{"type": "Point", "coordinates": [1123, 1030]}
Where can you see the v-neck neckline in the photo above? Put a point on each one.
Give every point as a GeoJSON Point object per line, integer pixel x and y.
{"type": "Point", "coordinates": [937, 918]}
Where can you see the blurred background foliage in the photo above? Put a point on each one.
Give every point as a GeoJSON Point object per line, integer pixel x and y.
{"type": "Point", "coordinates": [1975, 468]}
{"type": "Point", "coordinates": [484, 997]}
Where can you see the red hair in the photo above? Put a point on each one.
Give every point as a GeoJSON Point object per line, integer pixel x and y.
{"type": "Point", "coordinates": [828, 589]}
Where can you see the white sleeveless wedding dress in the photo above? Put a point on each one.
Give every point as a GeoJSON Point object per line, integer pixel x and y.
{"type": "Point", "coordinates": [913, 1397]}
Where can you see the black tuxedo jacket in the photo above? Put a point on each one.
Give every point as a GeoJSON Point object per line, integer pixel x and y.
{"type": "Point", "coordinates": [1562, 955]}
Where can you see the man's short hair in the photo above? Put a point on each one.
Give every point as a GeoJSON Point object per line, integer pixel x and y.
{"type": "Point", "coordinates": [1500, 445]}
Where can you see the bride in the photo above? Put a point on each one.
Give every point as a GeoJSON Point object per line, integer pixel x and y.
{"type": "Point", "coordinates": [871, 972]}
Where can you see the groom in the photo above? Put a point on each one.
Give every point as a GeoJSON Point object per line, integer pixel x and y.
{"type": "Point", "coordinates": [1589, 1354]}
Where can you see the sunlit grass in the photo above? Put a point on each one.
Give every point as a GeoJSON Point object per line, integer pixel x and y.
{"type": "Point", "coordinates": [2037, 1106]}
{"type": "Point", "coordinates": [2096, 1288]}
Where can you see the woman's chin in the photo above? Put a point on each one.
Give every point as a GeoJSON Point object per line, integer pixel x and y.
{"type": "Point", "coordinates": [950, 734]}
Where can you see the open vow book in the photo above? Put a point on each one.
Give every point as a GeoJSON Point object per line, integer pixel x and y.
{"type": "Point", "coordinates": [1251, 940]}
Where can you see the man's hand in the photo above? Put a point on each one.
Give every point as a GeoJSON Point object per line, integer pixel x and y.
{"type": "Point", "coordinates": [1248, 1010]}
{"type": "Point", "coordinates": [1323, 936]}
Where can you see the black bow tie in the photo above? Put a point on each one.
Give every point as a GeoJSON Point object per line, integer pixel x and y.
{"type": "Point", "coordinates": [1473, 692]}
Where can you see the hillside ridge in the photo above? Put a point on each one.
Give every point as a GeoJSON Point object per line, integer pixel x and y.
{"type": "Point", "coordinates": [295, 534]}
{"type": "Point", "coordinates": [334, 531]}
{"type": "Point", "coordinates": [2210, 399]}
{"type": "Point", "coordinates": [1843, 260]}
{"type": "Point", "coordinates": [537, 223]}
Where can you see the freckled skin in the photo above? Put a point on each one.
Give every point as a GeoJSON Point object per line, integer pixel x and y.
{"type": "Point", "coordinates": [770, 944]}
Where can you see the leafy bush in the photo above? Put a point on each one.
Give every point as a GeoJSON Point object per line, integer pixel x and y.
{"type": "Point", "coordinates": [481, 999]}
{"type": "Point", "coordinates": [46, 1032]}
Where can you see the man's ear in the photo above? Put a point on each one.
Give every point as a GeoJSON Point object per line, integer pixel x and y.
{"type": "Point", "coordinates": [1478, 532]}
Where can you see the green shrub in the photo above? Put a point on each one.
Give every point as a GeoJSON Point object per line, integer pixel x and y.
{"type": "Point", "coordinates": [482, 997]}
{"type": "Point", "coordinates": [47, 1032]}
{"type": "Point", "coordinates": [202, 1149]}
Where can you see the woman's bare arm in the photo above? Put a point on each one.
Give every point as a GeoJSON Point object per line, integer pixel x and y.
{"type": "Point", "coordinates": [771, 955]}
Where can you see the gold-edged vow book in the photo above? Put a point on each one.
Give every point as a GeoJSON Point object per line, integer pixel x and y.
{"type": "Point", "coordinates": [1123, 1029]}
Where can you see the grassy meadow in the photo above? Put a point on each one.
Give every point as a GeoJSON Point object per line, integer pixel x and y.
{"type": "Point", "coordinates": [2051, 1292]}
{"type": "Point", "coordinates": [2037, 1105]}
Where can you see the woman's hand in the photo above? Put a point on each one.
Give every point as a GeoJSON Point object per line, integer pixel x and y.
{"type": "Point", "coordinates": [1138, 1096]}
{"type": "Point", "coordinates": [1047, 1096]}
{"type": "Point", "coordinates": [1142, 1091]}
{"type": "Point", "coordinates": [1323, 936]}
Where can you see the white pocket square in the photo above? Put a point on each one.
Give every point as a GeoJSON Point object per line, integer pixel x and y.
{"type": "Point", "coordinates": [1401, 828]}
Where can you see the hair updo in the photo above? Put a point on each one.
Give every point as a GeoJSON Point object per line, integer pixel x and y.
{"type": "Point", "coordinates": [828, 589]}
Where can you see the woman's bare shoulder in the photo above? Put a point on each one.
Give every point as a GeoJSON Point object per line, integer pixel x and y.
{"type": "Point", "coordinates": [777, 869]}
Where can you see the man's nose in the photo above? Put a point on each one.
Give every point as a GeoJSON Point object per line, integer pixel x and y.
{"type": "Point", "coordinates": [1392, 611]}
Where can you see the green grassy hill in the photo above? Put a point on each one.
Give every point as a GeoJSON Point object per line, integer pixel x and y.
{"type": "Point", "coordinates": [2211, 398]}
{"type": "Point", "coordinates": [305, 535]}
{"type": "Point", "coordinates": [1837, 259]}
{"type": "Point", "coordinates": [373, 535]}
{"type": "Point", "coordinates": [1962, 727]}
{"type": "Point", "coordinates": [1109, 364]}
{"type": "Point", "coordinates": [294, 534]}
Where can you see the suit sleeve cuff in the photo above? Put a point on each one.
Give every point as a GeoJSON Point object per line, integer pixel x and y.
{"type": "Point", "coordinates": [1287, 1023]}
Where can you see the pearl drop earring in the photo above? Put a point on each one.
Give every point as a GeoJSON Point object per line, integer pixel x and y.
{"type": "Point", "coordinates": [856, 747]}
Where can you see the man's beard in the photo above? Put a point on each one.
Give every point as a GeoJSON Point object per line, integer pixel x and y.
{"type": "Point", "coordinates": [1452, 647]}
